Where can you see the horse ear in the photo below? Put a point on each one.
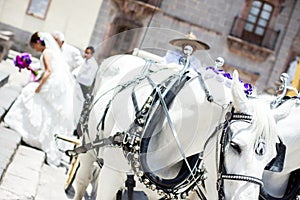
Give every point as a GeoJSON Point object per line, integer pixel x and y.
{"type": "Point", "coordinates": [239, 97]}
{"type": "Point", "coordinates": [283, 110]}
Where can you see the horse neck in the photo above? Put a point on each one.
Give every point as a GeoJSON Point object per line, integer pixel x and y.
{"type": "Point", "coordinates": [289, 132]}
{"type": "Point", "coordinates": [206, 116]}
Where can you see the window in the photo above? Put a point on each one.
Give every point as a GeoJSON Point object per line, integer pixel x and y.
{"type": "Point", "coordinates": [38, 8]}
{"type": "Point", "coordinates": [257, 21]}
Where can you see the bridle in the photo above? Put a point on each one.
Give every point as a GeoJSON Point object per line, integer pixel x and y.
{"type": "Point", "coordinates": [222, 174]}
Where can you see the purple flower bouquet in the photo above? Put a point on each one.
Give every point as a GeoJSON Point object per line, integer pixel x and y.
{"type": "Point", "coordinates": [23, 61]}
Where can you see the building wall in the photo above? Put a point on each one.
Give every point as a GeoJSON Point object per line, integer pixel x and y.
{"type": "Point", "coordinates": [289, 25]}
{"type": "Point", "coordinates": [75, 18]}
{"type": "Point", "coordinates": [211, 21]}
{"type": "Point", "coordinates": [103, 22]}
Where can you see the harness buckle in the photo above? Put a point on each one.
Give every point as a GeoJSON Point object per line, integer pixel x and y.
{"type": "Point", "coordinates": [117, 139]}
{"type": "Point", "coordinates": [126, 138]}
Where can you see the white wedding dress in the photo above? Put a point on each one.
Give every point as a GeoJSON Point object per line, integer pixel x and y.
{"type": "Point", "coordinates": [39, 116]}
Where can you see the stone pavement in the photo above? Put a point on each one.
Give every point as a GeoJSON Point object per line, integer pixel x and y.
{"type": "Point", "coordinates": [10, 140]}
{"type": "Point", "coordinates": [27, 177]}
{"type": "Point", "coordinates": [23, 172]}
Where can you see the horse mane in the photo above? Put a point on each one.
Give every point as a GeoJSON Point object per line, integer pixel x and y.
{"type": "Point", "coordinates": [263, 121]}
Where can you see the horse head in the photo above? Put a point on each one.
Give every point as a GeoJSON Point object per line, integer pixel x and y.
{"type": "Point", "coordinates": [247, 145]}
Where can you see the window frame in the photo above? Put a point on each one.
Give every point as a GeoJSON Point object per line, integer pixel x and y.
{"type": "Point", "coordinates": [253, 35]}
{"type": "Point", "coordinates": [31, 9]}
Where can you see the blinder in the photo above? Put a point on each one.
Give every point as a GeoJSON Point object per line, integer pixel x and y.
{"type": "Point", "coordinates": [277, 163]}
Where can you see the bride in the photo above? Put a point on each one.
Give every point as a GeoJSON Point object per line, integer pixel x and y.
{"type": "Point", "coordinates": [45, 108]}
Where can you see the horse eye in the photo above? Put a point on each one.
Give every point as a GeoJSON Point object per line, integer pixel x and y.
{"type": "Point", "coordinates": [236, 147]}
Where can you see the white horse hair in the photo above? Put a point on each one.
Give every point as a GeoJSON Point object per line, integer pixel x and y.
{"type": "Point", "coordinates": [247, 152]}
{"type": "Point", "coordinates": [241, 155]}
{"type": "Point", "coordinates": [287, 116]}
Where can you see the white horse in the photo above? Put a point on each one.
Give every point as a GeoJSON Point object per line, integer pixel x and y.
{"type": "Point", "coordinates": [112, 73]}
{"type": "Point", "coordinates": [284, 182]}
{"type": "Point", "coordinates": [115, 72]}
{"type": "Point", "coordinates": [194, 120]}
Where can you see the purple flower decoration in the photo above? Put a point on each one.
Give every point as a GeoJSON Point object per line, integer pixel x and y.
{"type": "Point", "coordinates": [227, 75]}
{"type": "Point", "coordinates": [247, 86]}
{"type": "Point", "coordinates": [23, 61]}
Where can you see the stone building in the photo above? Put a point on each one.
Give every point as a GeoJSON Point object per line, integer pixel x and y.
{"type": "Point", "coordinates": [68, 16]}
{"type": "Point", "coordinates": [258, 37]}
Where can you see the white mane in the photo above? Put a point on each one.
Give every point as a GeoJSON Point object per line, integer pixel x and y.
{"type": "Point", "coordinates": [264, 127]}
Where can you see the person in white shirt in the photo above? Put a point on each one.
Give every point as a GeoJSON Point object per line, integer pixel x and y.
{"type": "Point", "coordinates": [87, 71]}
{"type": "Point", "coordinates": [71, 53]}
